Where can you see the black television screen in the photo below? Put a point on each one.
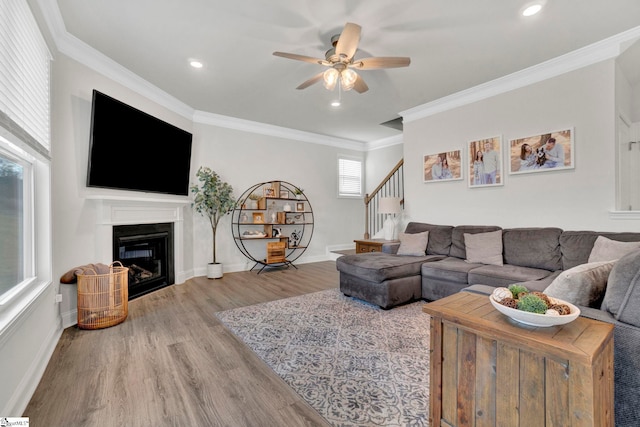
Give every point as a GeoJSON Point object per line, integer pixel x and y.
{"type": "Point", "coordinates": [132, 150]}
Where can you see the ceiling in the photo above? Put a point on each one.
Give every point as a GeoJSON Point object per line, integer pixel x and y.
{"type": "Point", "coordinates": [453, 45]}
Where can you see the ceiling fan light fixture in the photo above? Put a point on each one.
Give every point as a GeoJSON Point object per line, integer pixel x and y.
{"type": "Point", "coordinates": [348, 79]}
{"type": "Point", "coordinates": [330, 78]}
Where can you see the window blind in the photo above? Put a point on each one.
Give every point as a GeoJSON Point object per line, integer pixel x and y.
{"type": "Point", "coordinates": [349, 177]}
{"type": "Point", "coordinates": [24, 71]}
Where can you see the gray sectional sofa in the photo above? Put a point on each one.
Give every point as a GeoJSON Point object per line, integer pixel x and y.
{"type": "Point", "coordinates": [532, 256]}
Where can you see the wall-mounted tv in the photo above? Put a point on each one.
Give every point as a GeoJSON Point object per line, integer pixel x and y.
{"type": "Point", "coordinates": [132, 150]}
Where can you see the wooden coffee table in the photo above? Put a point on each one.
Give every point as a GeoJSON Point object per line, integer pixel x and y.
{"type": "Point", "coordinates": [488, 370]}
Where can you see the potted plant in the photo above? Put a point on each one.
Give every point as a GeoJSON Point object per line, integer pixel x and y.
{"type": "Point", "coordinates": [213, 198]}
{"type": "Point", "coordinates": [298, 192]}
{"type": "Point", "coordinates": [254, 197]}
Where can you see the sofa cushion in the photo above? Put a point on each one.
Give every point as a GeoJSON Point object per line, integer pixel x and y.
{"type": "Point", "coordinates": [622, 297]}
{"type": "Point", "coordinates": [449, 269]}
{"type": "Point", "coordinates": [379, 266]}
{"type": "Point", "coordinates": [576, 246]}
{"type": "Point", "coordinates": [484, 248]}
{"type": "Point", "coordinates": [582, 285]}
{"type": "Point", "coordinates": [504, 275]}
{"type": "Point", "coordinates": [414, 244]}
{"type": "Point", "coordinates": [457, 237]}
{"type": "Point", "coordinates": [605, 249]}
{"type": "Point", "coordinates": [439, 236]}
{"type": "Point", "coordinates": [533, 247]}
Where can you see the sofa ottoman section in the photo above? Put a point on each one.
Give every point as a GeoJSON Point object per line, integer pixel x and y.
{"type": "Point", "coordinates": [445, 277]}
{"type": "Point", "coordinates": [382, 279]}
{"type": "Point", "coordinates": [385, 294]}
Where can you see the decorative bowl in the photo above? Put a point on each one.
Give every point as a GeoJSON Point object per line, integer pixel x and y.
{"type": "Point", "coordinates": [535, 319]}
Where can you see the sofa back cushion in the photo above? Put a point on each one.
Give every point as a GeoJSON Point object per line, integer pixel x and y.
{"type": "Point", "coordinates": [576, 246]}
{"type": "Point", "coordinates": [439, 236]}
{"type": "Point", "coordinates": [533, 247]}
{"type": "Point", "coordinates": [457, 237]}
{"type": "Point", "coordinates": [622, 297]}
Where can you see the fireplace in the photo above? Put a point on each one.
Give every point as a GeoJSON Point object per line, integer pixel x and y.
{"type": "Point", "coordinates": [147, 250]}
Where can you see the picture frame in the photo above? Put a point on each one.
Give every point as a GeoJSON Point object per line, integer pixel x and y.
{"type": "Point", "coordinates": [549, 151]}
{"type": "Point", "coordinates": [485, 162]}
{"type": "Point", "coordinates": [284, 194]}
{"type": "Point", "coordinates": [299, 206]}
{"type": "Point", "coordinates": [269, 192]}
{"type": "Point", "coordinates": [258, 218]}
{"type": "Point", "coordinates": [433, 170]}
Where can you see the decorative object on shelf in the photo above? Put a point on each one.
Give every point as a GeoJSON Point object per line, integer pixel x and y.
{"type": "Point", "coordinates": [272, 213]}
{"type": "Point", "coordinates": [258, 218]}
{"type": "Point", "coordinates": [299, 206]}
{"type": "Point", "coordinates": [253, 200]}
{"type": "Point", "coordinates": [253, 234]}
{"type": "Point", "coordinates": [299, 192]}
{"type": "Point", "coordinates": [294, 238]}
{"type": "Point", "coordinates": [213, 198]}
{"type": "Point", "coordinates": [272, 221]}
{"type": "Point", "coordinates": [390, 206]}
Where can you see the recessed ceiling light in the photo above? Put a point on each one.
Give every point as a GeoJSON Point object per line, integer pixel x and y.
{"type": "Point", "coordinates": [195, 64]}
{"type": "Point", "coordinates": [532, 10]}
{"type": "Point", "coordinates": [335, 103]}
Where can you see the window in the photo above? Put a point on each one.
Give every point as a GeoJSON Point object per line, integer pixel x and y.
{"type": "Point", "coordinates": [349, 177]}
{"type": "Point", "coordinates": [25, 183]}
{"type": "Point", "coordinates": [14, 224]}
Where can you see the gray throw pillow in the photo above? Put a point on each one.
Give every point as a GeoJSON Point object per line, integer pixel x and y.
{"type": "Point", "coordinates": [413, 244]}
{"type": "Point", "coordinates": [622, 297]}
{"type": "Point", "coordinates": [582, 285]}
{"type": "Point", "coordinates": [610, 250]}
{"type": "Point", "coordinates": [484, 248]}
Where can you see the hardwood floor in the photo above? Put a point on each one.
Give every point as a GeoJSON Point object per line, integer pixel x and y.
{"type": "Point", "coordinates": [172, 363]}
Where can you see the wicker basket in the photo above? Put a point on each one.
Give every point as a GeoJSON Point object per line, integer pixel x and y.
{"type": "Point", "coordinates": [103, 298]}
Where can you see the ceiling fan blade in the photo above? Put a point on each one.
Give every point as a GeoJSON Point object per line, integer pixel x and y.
{"type": "Point", "coordinates": [381, 62]}
{"type": "Point", "coordinates": [312, 80]}
{"type": "Point", "coordinates": [348, 41]}
{"type": "Point", "coordinates": [300, 57]}
{"type": "Point", "coordinates": [360, 86]}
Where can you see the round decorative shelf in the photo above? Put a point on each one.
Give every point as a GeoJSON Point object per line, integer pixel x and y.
{"type": "Point", "coordinates": [272, 224]}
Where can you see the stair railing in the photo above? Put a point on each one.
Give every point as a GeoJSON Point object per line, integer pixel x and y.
{"type": "Point", "coordinates": [391, 186]}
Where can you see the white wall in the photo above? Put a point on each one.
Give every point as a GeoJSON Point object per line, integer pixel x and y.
{"type": "Point", "coordinates": [575, 199]}
{"type": "Point", "coordinates": [380, 162]}
{"type": "Point", "coordinates": [244, 159]}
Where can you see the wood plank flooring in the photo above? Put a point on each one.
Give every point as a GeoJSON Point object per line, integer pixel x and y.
{"type": "Point", "coordinates": [172, 363]}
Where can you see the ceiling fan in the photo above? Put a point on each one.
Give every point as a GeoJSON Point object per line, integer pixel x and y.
{"type": "Point", "coordinates": [342, 64]}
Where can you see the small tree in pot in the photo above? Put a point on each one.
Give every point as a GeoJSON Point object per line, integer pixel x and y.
{"type": "Point", "coordinates": [213, 198]}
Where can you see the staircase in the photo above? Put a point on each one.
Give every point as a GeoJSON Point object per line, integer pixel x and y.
{"type": "Point", "coordinates": [391, 186]}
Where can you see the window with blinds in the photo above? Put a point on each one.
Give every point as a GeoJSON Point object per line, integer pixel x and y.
{"type": "Point", "coordinates": [349, 177]}
{"type": "Point", "coordinates": [24, 71]}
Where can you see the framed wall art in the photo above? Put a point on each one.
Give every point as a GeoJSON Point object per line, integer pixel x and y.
{"type": "Point", "coordinates": [542, 153]}
{"type": "Point", "coordinates": [445, 166]}
{"type": "Point", "coordinates": [485, 162]}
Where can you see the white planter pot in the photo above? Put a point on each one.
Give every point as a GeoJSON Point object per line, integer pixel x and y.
{"type": "Point", "coordinates": [214, 271]}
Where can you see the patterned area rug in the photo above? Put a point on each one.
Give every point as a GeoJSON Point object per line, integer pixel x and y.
{"type": "Point", "coordinates": [356, 364]}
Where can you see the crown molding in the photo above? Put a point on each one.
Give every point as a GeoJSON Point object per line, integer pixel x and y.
{"type": "Point", "coordinates": [219, 120]}
{"type": "Point", "coordinates": [385, 142]}
{"type": "Point", "coordinates": [605, 49]}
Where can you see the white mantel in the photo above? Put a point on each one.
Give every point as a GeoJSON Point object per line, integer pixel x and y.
{"type": "Point", "coordinates": [122, 210]}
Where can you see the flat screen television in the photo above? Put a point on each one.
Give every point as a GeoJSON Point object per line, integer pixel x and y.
{"type": "Point", "coordinates": [132, 150]}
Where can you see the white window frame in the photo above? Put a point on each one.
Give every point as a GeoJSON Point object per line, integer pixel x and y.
{"type": "Point", "coordinates": [341, 193]}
